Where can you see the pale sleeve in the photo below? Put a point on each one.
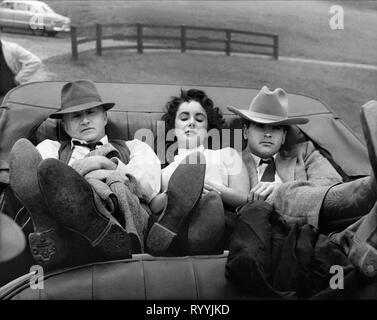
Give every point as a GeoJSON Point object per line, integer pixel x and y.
{"type": "Point", "coordinates": [49, 149]}
{"type": "Point", "coordinates": [145, 166]}
{"type": "Point", "coordinates": [30, 64]}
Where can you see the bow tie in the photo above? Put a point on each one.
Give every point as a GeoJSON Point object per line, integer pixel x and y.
{"type": "Point", "coordinates": [266, 161]}
{"type": "Point", "coordinates": [91, 146]}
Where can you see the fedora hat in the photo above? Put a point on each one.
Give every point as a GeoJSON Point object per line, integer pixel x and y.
{"type": "Point", "coordinates": [80, 95]}
{"type": "Point", "coordinates": [269, 107]}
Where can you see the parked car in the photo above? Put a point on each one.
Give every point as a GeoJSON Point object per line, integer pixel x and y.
{"type": "Point", "coordinates": [24, 114]}
{"type": "Point", "coordinates": [34, 15]}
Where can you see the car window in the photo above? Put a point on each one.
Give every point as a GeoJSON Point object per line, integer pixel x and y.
{"type": "Point", "coordinates": [7, 5]}
{"type": "Point", "coordinates": [21, 6]}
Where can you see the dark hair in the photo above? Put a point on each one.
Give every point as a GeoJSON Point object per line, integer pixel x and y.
{"type": "Point", "coordinates": [214, 115]}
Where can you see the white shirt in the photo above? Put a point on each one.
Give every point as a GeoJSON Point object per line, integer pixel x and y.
{"type": "Point", "coordinates": [261, 168]}
{"type": "Point", "coordinates": [220, 164]}
{"type": "Point", "coordinates": [144, 164]}
{"type": "Point", "coordinates": [21, 62]}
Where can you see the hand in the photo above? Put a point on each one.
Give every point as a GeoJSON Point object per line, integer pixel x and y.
{"type": "Point", "coordinates": [100, 174]}
{"type": "Point", "coordinates": [208, 186]}
{"type": "Point", "coordinates": [263, 190]}
{"type": "Point", "coordinates": [86, 165]}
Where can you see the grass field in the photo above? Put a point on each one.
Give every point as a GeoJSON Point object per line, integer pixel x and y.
{"type": "Point", "coordinates": [344, 90]}
{"type": "Point", "coordinates": [303, 26]}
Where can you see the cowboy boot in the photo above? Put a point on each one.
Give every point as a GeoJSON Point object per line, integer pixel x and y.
{"type": "Point", "coordinates": [359, 241]}
{"type": "Point", "coordinates": [349, 200]}
{"type": "Point", "coordinates": [206, 225]}
{"type": "Point", "coordinates": [184, 190]}
{"type": "Point", "coordinates": [75, 205]}
{"type": "Point", "coordinates": [46, 243]}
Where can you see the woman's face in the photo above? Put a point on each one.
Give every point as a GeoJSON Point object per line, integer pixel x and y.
{"type": "Point", "coordinates": [191, 125]}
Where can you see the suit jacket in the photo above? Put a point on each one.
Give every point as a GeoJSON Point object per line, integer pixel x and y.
{"type": "Point", "coordinates": [306, 177]}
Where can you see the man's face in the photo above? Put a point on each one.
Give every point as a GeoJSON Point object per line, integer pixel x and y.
{"type": "Point", "coordinates": [191, 125]}
{"type": "Point", "coordinates": [87, 125]}
{"type": "Point", "coordinates": [264, 140]}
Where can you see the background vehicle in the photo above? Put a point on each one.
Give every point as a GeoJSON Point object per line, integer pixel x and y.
{"type": "Point", "coordinates": [24, 114]}
{"type": "Point", "coordinates": [34, 15]}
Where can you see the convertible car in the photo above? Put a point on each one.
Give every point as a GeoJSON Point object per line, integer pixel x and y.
{"type": "Point", "coordinates": [24, 114]}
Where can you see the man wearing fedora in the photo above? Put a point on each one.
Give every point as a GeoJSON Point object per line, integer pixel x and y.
{"type": "Point", "coordinates": [68, 186]}
{"type": "Point", "coordinates": [295, 190]}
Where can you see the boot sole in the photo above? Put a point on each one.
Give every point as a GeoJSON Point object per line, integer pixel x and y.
{"type": "Point", "coordinates": [177, 211]}
{"type": "Point", "coordinates": [75, 208]}
{"type": "Point", "coordinates": [46, 246]}
{"type": "Point", "coordinates": [24, 182]}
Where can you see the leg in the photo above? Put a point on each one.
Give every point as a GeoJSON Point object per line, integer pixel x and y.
{"type": "Point", "coordinates": [358, 197]}
{"type": "Point", "coordinates": [76, 206]}
{"type": "Point", "coordinates": [206, 226]}
{"type": "Point", "coordinates": [184, 190]}
{"type": "Point", "coordinates": [360, 239]}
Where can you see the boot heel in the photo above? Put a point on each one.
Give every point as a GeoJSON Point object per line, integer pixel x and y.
{"type": "Point", "coordinates": [47, 248]}
{"type": "Point", "coordinates": [159, 239]}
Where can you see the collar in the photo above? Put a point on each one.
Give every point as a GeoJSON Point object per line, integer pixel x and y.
{"type": "Point", "coordinates": [104, 140]}
{"type": "Point", "coordinates": [257, 159]}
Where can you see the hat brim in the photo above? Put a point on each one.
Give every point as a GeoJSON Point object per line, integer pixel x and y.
{"type": "Point", "coordinates": [81, 107]}
{"type": "Point", "coordinates": [266, 118]}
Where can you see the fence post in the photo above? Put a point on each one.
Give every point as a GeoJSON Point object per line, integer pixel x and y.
{"type": "Point", "coordinates": [228, 42]}
{"type": "Point", "coordinates": [276, 47]}
{"type": "Point", "coordinates": [139, 38]}
{"type": "Point", "coordinates": [99, 39]}
{"type": "Point", "coordinates": [75, 55]}
{"type": "Point", "coordinates": [183, 39]}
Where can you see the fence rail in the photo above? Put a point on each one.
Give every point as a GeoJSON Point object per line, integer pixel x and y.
{"type": "Point", "coordinates": [185, 38]}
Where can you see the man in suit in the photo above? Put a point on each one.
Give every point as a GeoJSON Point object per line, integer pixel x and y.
{"type": "Point", "coordinates": [276, 249]}
{"type": "Point", "coordinates": [75, 189]}
{"type": "Point", "coordinates": [300, 183]}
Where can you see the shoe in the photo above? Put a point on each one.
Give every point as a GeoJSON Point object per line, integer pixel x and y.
{"type": "Point", "coordinates": [47, 246]}
{"type": "Point", "coordinates": [207, 225]}
{"type": "Point", "coordinates": [184, 190]}
{"type": "Point", "coordinates": [12, 239]}
{"type": "Point", "coordinates": [77, 207]}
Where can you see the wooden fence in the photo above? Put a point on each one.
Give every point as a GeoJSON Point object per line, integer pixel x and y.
{"type": "Point", "coordinates": [183, 38]}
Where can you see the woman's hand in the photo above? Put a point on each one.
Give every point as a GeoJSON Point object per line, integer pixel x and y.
{"type": "Point", "coordinates": [263, 190]}
{"type": "Point", "coordinates": [210, 186]}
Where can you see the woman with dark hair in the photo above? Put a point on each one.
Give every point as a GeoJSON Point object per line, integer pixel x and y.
{"type": "Point", "coordinates": [198, 183]}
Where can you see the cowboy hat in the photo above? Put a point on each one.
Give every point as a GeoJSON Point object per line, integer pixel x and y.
{"type": "Point", "coordinates": [269, 107]}
{"type": "Point", "coordinates": [79, 95]}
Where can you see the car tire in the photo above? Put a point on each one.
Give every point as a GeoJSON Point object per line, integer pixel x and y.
{"type": "Point", "coordinates": [38, 31]}
{"type": "Point", "coordinates": [51, 33]}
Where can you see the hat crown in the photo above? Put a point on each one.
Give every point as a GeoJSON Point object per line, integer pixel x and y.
{"type": "Point", "coordinates": [274, 103]}
{"type": "Point", "coordinates": [79, 92]}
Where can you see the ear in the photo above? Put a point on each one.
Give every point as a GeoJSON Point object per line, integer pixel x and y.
{"type": "Point", "coordinates": [105, 117]}
{"type": "Point", "coordinates": [245, 132]}
{"type": "Point", "coordinates": [284, 136]}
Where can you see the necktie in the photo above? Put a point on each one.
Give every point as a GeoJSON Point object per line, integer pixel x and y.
{"type": "Point", "coordinates": [269, 173]}
{"type": "Point", "coordinates": [91, 146]}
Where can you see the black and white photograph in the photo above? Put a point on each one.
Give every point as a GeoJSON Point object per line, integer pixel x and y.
{"type": "Point", "coordinates": [176, 151]}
